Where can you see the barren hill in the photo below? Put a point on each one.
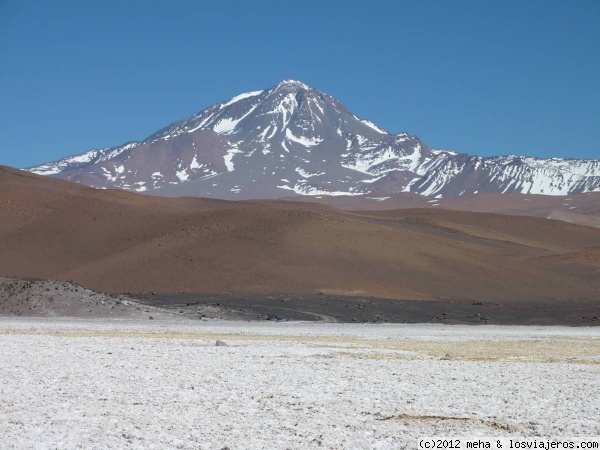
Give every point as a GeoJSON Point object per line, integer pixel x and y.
{"type": "Point", "coordinates": [118, 241]}
{"type": "Point", "coordinates": [582, 209]}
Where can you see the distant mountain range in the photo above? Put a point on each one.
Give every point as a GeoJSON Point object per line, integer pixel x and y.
{"type": "Point", "coordinates": [292, 140]}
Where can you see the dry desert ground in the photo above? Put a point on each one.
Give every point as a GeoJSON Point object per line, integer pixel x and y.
{"type": "Point", "coordinates": [160, 384]}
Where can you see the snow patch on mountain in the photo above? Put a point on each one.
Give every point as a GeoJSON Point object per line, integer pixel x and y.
{"type": "Point", "coordinates": [308, 189]}
{"type": "Point", "coordinates": [237, 98]}
{"type": "Point", "coordinates": [305, 174]}
{"type": "Point", "coordinates": [293, 84]}
{"type": "Point", "coordinates": [302, 140]}
{"type": "Point", "coordinates": [365, 162]}
{"type": "Point", "coordinates": [229, 158]}
{"type": "Point", "coordinates": [373, 126]}
{"type": "Point", "coordinates": [182, 175]}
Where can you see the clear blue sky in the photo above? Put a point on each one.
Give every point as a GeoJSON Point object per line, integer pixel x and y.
{"type": "Point", "coordinates": [482, 77]}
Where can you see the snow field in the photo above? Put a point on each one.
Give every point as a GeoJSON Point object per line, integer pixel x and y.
{"type": "Point", "coordinates": [135, 384]}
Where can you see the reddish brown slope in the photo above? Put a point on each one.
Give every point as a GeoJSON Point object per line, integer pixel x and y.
{"type": "Point", "coordinates": [122, 242]}
{"type": "Point", "coordinates": [581, 209]}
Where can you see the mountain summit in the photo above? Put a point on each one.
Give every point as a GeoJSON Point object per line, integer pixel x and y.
{"type": "Point", "coordinates": [292, 139]}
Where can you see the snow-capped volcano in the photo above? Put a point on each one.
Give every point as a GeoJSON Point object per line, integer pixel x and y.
{"type": "Point", "coordinates": [292, 139]}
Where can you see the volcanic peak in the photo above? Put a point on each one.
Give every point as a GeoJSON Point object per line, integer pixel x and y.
{"type": "Point", "coordinates": [291, 139]}
{"type": "Point", "coordinates": [292, 85]}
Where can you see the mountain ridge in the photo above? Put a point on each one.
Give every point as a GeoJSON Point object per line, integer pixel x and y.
{"type": "Point", "coordinates": [291, 140]}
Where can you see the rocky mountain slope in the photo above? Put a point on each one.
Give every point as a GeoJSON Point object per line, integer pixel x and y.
{"type": "Point", "coordinates": [292, 140]}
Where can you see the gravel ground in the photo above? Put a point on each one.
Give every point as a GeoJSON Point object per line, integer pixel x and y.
{"type": "Point", "coordinates": [32, 297]}
{"type": "Point", "coordinates": [80, 383]}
